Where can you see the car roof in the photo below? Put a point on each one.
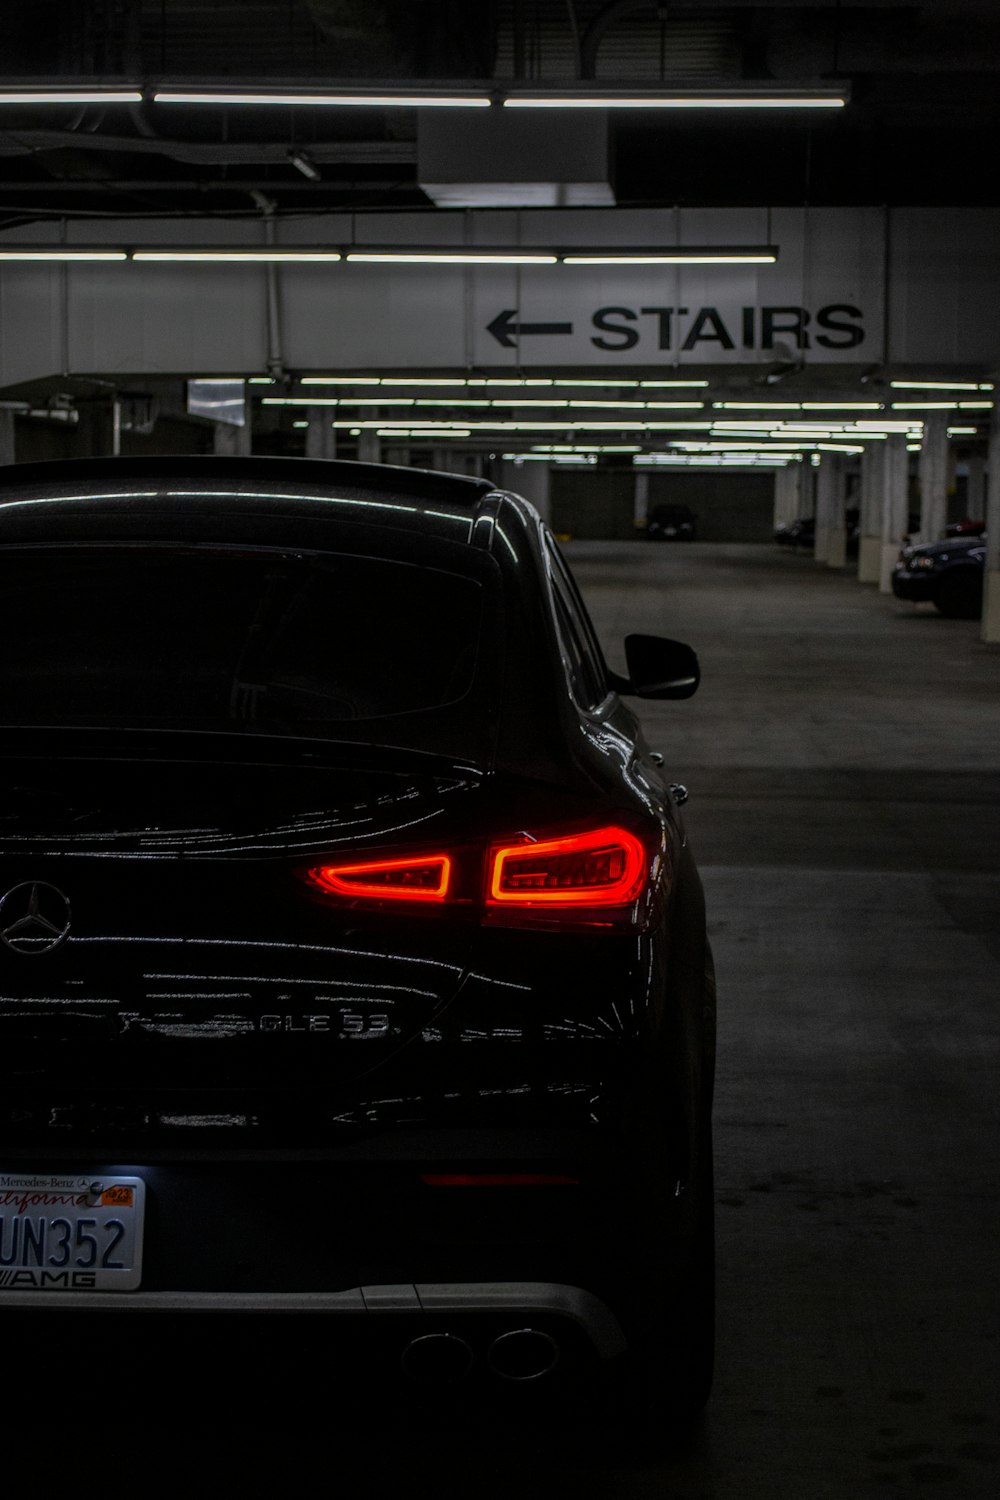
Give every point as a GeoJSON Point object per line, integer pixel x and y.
{"type": "Point", "coordinates": [408, 499]}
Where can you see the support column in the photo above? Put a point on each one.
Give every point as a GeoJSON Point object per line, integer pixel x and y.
{"type": "Point", "coordinates": [786, 494]}
{"type": "Point", "coordinates": [895, 504]}
{"type": "Point", "coordinates": [975, 492]}
{"type": "Point", "coordinates": [369, 442]}
{"type": "Point", "coordinates": [933, 473]}
{"type": "Point", "coordinates": [870, 507]}
{"type": "Point", "coordinates": [321, 438]}
{"type": "Point", "coordinates": [532, 481]}
{"type": "Point", "coordinates": [6, 437]}
{"type": "Point", "coordinates": [831, 488]}
{"type": "Point", "coordinates": [640, 510]}
{"type": "Point", "coordinates": [229, 439]}
{"type": "Point", "coordinates": [991, 582]}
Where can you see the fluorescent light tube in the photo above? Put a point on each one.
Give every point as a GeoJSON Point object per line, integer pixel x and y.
{"type": "Point", "coordinates": [68, 94]}
{"type": "Point", "coordinates": [296, 98]}
{"type": "Point", "coordinates": [260, 257]}
{"type": "Point", "coordinates": [452, 257]}
{"type": "Point", "coordinates": [938, 385]}
{"type": "Point", "coordinates": [665, 98]}
{"type": "Point", "coordinates": [62, 255]}
{"type": "Point", "coordinates": [682, 256]}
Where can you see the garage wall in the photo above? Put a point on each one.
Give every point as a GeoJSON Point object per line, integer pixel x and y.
{"type": "Point", "coordinates": [729, 507]}
{"type": "Point", "coordinates": [594, 503]}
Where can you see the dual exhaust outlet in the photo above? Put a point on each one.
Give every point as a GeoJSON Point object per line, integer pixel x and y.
{"type": "Point", "coordinates": [520, 1355]}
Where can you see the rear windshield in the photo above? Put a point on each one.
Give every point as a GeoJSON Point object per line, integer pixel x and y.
{"type": "Point", "coordinates": [213, 637]}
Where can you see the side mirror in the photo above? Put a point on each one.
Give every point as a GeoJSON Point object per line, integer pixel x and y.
{"type": "Point", "coordinates": [659, 668]}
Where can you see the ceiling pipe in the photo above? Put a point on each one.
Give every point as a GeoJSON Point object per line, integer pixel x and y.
{"type": "Point", "coordinates": [602, 22]}
{"type": "Point", "coordinates": [275, 361]}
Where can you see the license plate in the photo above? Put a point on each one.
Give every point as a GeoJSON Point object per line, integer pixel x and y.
{"type": "Point", "coordinates": [70, 1233]}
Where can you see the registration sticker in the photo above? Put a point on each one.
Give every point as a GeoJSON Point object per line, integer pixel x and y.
{"type": "Point", "coordinates": [70, 1233]}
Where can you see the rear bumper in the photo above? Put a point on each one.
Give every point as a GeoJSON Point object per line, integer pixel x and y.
{"type": "Point", "coordinates": [915, 587]}
{"type": "Point", "coordinates": [416, 1308]}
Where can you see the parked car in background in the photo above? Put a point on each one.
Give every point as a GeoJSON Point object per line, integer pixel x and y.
{"type": "Point", "coordinates": [965, 528]}
{"type": "Point", "coordinates": [671, 523]}
{"type": "Point", "coordinates": [948, 573]}
{"type": "Point", "coordinates": [354, 960]}
{"type": "Point", "coordinates": [798, 533]}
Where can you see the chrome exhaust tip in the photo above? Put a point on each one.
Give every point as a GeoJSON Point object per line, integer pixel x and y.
{"type": "Point", "coordinates": [437, 1359]}
{"type": "Point", "coordinates": [523, 1354]}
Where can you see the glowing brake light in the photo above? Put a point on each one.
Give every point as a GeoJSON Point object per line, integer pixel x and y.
{"type": "Point", "coordinates": [426, 878]}
{"type": "Point", "coordinates": [603, 867]}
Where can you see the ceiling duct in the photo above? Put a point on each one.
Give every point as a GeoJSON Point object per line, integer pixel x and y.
{"type": "Point", "coordinates": [503, 159]}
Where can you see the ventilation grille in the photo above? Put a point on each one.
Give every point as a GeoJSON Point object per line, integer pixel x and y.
{"type": "Point", "coordinates": [639, 45]}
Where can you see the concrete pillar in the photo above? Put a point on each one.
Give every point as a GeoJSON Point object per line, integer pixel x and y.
{"type": "Point", "coordinates": [95, 432]}
{"type": "Point", "coordinates": [369, 442]}
{"type": "Point", "coordinates": [991, 582]}
{"type": "Point", "coordinates": [895, 504]}
{"type": "Point", "coordinates": [787, 493]}
{"type": "Point", "coordinates": [533, 481]}
{"type": "Point", "coordinates": [321, 437]}
{"type": "Point", "coordinates": [975, 491]}
{"type": "Point", "coordinates": [6, 437]}
{"type": "Point", "coordinates": [640, 511]}
{"type": "Point", "coordinates": [933, 472]}
{"type": "Point", "coordinates": [831, 488]}
{"type": "Point", "coordinates": [870, 507]}
{"type": "Point", "coordinates": [234, 441]}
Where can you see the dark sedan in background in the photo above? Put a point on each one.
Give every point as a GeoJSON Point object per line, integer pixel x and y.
{"type": "Point", "coordinates": [355, 986]}
{"type": "Point", "coordinates": [949, 574]}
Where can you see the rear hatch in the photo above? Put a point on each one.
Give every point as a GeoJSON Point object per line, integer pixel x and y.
{"type": "Point", "coordinates": [166, 967]}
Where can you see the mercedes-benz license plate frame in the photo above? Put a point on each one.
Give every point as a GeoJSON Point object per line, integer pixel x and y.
{"type": "Point", "coordinates": [70, 1232]}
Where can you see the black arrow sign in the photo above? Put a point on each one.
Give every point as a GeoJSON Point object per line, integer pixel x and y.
{"type": "Point", "coordinates": [504, 330]}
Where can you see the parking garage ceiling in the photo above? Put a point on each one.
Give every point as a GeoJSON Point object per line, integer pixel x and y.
{"type": "Point", "coordinates": [923, 119]}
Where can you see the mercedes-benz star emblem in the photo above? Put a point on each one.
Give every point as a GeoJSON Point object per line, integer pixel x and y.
{"type": "Point", "coordinates": [34, 918]}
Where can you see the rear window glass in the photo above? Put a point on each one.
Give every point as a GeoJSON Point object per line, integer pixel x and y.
{"type": "Point", "coordinates": [222, 638]}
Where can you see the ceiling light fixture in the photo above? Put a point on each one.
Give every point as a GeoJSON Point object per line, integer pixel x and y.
{"type": "Point", "coordinates": [72, 94]}
{"type": "Point", "coordinates": [942, 405]}
{"type": "Point", "coordinates": [941, 385]}
{"type": "Point", "coordinates": [387, 98]}
{"type": "Point", "coordinates": [62, 254]}
{"type": "Point", "coordinates": [403, 255]}
{"type": "Point", "coordinates": [444, 257]}
{"type": "Point", "coordinates": [256, 257]}
{"type": "Point", "coordinates": [658, 97]}
{"type": "Point", "coordinates": [682, 255]}
{"type": "Point", "coordinates": [303, 162]}
{"type": "Point", "coordinates": [558, 424]}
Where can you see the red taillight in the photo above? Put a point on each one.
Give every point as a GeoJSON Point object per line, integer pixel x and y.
{"type": "Point", "coordinates": [593, 878]}
{"type": "Point", "coordinates": [603, 867]}
{"type": "Point", "coordinates": [426, 878]}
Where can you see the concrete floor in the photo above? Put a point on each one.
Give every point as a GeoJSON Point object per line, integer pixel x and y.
{"type": "Point", "coordinates": [843, 761]}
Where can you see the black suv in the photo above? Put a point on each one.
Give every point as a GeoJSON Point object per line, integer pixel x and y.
{"type": "Point", "coordinates": [354, 965]}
